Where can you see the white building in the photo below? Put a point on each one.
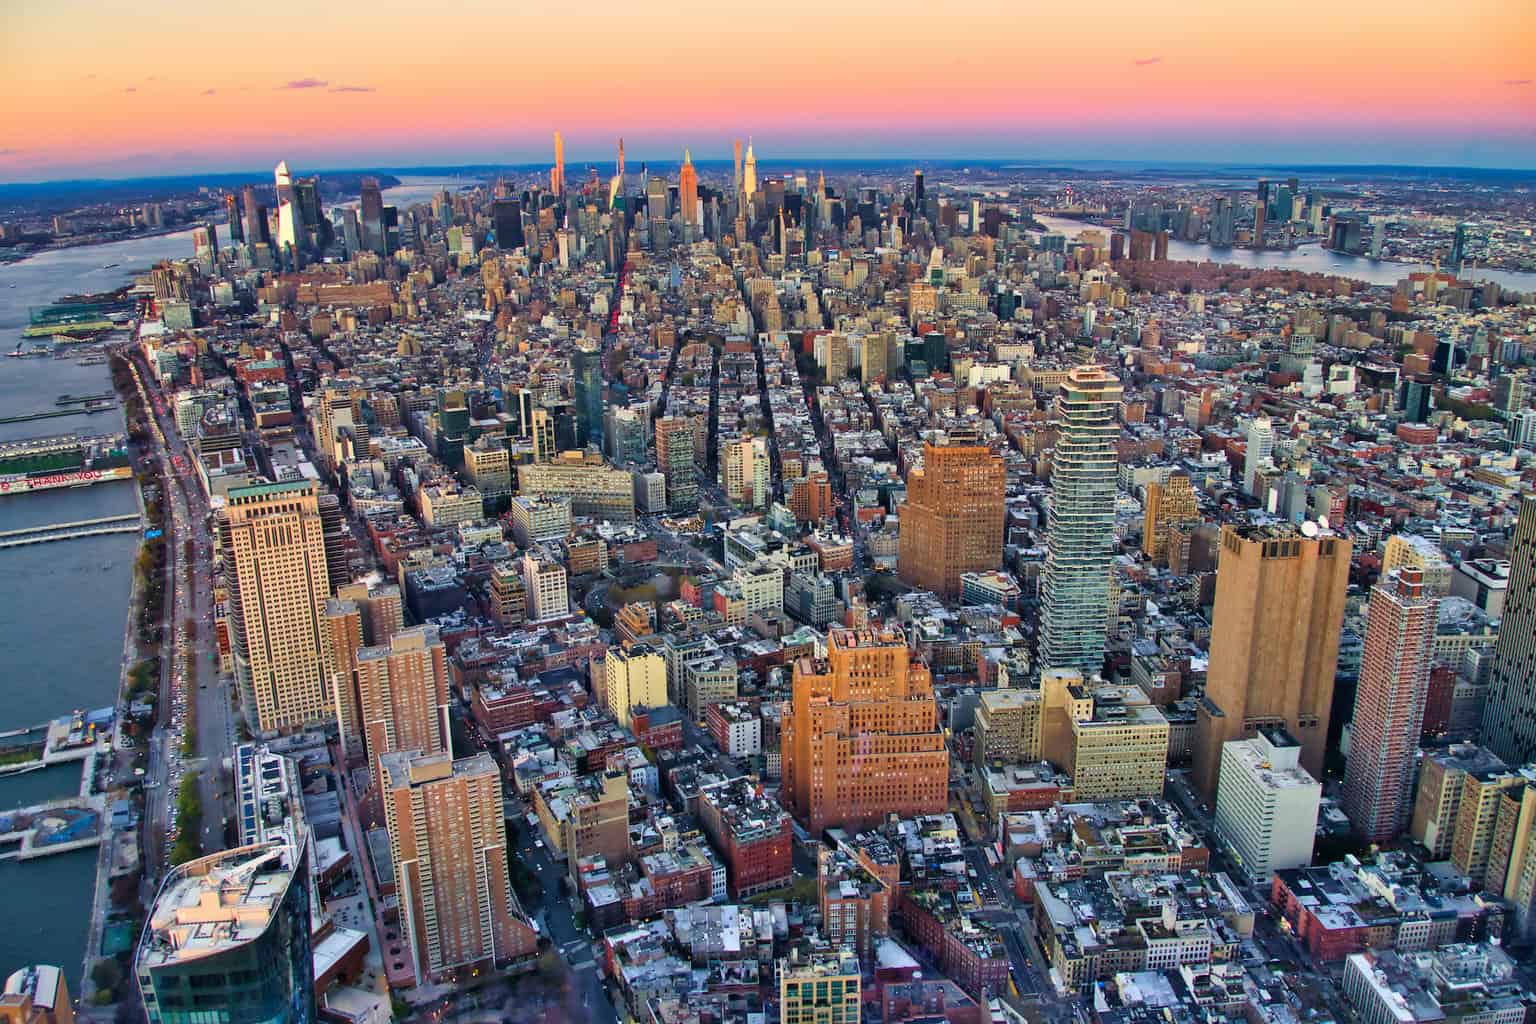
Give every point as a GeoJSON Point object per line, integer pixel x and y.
{"type": "Point", "coordinates": [1266, 803]}
{"type": "Point", "coordinates": [536, 519]}
{"type": "Point", "coordinates": [544, 583]}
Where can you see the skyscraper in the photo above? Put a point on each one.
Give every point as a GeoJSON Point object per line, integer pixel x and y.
{"type": "Point", "coordinates": [402, 691]}
{"type": "Point", "coordinates": [274, 546]}
{"type": "Point", "coordinates": [1389, 705]}
{"type": "Point", "coordinates": [255, 216]}
{"type": "Point", "coordinates": [448, 840]}
{"type": "Point", "coordinates": [749, 174]}
{"type": "Point", "coordinates": [952, 522]}
{"type": "Point", "coordinates": [634, 678]}
{"type": "Point", "coordinates": [587, 371]}
{"type": "Point", "coordinates": [1274, 642]}
{"type": "Point", "coordinates": [1260, 451]}
{"type": "Point", "coordinates": [674, 457]}
{"type": "Point", "coordinates": [736, 174]}
{"type": "Point", "coordinates": [688, 191]}
{"type": "Point", "coordinates": [744, 471]}
{"type": "Point", "coordinates": [1509, 717]}
{"type": "Point", "coordinates": [557, 173]}
{"type": "Point", "coordinates": [861, 740]}
{"type": "Point", "coordinates": [1080, 531]}
{"type": "Point", "coordinates": [232, 213]}
{"type": "Point", "coordinates": [371, 206]}
{"type": "Point", "coordinates": [918, 195]}
{"type": "Point", "coordinates": [1167, 505]}
{"type": "Point", "coordinates": [290, 216]}
{"type": "Point", "coordinates": [228, 938]}
{"type": "Point", "coordinates": [507, 223]}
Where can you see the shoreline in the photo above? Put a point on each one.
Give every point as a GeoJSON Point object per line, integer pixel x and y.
{"type": "Point", "coordinates": [98, 240]}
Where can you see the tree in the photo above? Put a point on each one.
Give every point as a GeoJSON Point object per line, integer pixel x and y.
{"type": "Point", "coordinates": [106, 973]}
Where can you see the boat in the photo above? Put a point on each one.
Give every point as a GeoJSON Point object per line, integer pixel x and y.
{"type": "Point", "coordinates": [109, 266]}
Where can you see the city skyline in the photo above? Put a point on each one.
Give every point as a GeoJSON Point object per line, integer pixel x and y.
{"type": "Point", "coordinates": [1418, 89]}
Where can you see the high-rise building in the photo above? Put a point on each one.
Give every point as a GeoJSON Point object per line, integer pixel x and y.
{"type": "Point", "coordinates": [1266, 803]}
{"type": "Point", "coordinates": [546, 586]}
{"type": "Point", "coordinates": [824, 988]}
{"type": "Point", "coordinates": [749, 174]}
{"type": "Point", "coordinates": [634, 678]}
{"type": "Point", "coordinates": [1260, 452]}
{"type": "Point", "coordinates": [1437, 802]}
{"type": "Point", "coordinates": [1274, 642]}
{"type": "Point", "coordinates": [255, 217]}
{"type": "Point", "coordinates": [587, 374]}
{"type": "Point", "coordinates": [736, 174]}
{"type": "Point", "coordinates": [371, 215]}
{"type": "Point", "coordinates": [1509, 716]}
{"type": "Point", "coordinates": [36, 995]}
{"type": "Point", "coordinates": [402, 691]}
{"type": "Point", "coordinates": [274, 546]}
{"type": "Point", "coordinates": [1405, 550]}
{"type": "Point", "coordinates": [448, 840]}
{"type": "Point", "coordinates": [1168, 504]}
{"type": "Point", "coordinates": [557, 173]}
{"type": "Point", "coordinates": [952, 522]}
{"type": "Point", "coordinates": [688, 191]}
{"type": "Point", "coordinates": [1080, 531]}
{"type": "Point", "coordinates": [228, 939]}
{"type": "Point", "coordinates": [347, 633]}
{"type": "Point", "coordinates": [232, 213]}
{"type": "Point", "coordinates": [862, 740]}
{"type": "Point", "coordinates": [745, 471]}
{"type": "Point", "coordinates": [674, 457]}
{"type": "Point", "coordinates": [290, 216]}
{"type": "Point", "coordinates": [507, 223]}
{"type": "Point", "coordinates": [1389, 705]}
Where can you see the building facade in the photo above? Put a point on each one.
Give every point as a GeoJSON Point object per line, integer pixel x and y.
{"type": "Point", "coordinates": [952, 522]}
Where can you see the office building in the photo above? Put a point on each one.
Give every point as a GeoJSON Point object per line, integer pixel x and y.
{"type": "Point", "coordinates": [688, 192]}
{"type": "Point", "coordinates": [1389, 705]}
{"type": "Point", "coordinates": [507, 223]}
{"type": "Point", "coordinates": [545, 586]}
{"type": "Point", "coordinates": [1509, 716]}
{"type": "Point", "coordinates": [537, 519]}
{"type": "Point", "coordinates": [752, 833]}
{"type": "Point", "coordinates": [1406, 550]}
{"type": "Point", "coordinates": [290, 216]}
{"type": "Point", "coordinates": [1108, 738]}
{"type": "Point", "coordinates": [447, 838]}
{"type": "Point", "coordinates": [674, 457]}
{"type": "Point", "coordinates": [1463, 983]}
{"type": "Point", "coordinates": [274, 546]}
{"type": "Point", "coordinates": [634, 678]}
{"type": "Point", "coordinates": [1437, 802]}
{"type": "Point", "coordinates": [1279, 610]}
{"type": "Point", "coordinates": [228, 939]}
{"type": "Point", "coordinates": [1266, 803]}
{"type": "Point", "coordinates": [952, 522]}
{"type": "Point", "coordinates": [596, 490]}
{"type": "Point", "coordinates": [861, 740]}
{"type": "Point", "coordinates": [587, 372]}
{"type": "Point", "coordinates": [403, 694]}
{"type": "Point", "coordinates": [825, 987]}
{"type": "Point", "coordinates": [1168, 504]}
{"type": "Point", "coordinates": [1080, 534]}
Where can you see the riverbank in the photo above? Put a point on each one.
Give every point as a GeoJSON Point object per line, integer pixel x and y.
{"type": "Point", "coordinates": [8, 258]}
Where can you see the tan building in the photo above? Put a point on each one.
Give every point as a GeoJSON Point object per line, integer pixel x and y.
{"type": "Point", "coordinates": [1274, 642]}
{"type": "Point", "coordinates": [450, 505]}
{"type": "Point", "coordinates": [1404, 551]}
{"type": "Point", "coordinates": [348, 634]}
{"type": "Point", "coordinates": [1167, 505]}
{"type": "Point", "coordinates": [489, 466]}
{"type": "Point", "coordinates": [1437, 803]}
{"type": "Point", "coordinates": [447, 836]}
{"type": "Point", "coordinates": [596, 490]}
{"type": "Point", "coordinates": [862, 738]}
{"type": "Point", "coordinates": [36, 995]}
{"type": "Point", "coordinates": [1512, 857]}
{"type": "Point", "coordinates": [825, 988]}
{"type": "Point", "coordinates": [1110, 739]}
{"type": "Point", "coordinates": [403, 695]}
{"type": "Point", "coordinates": [633, 678]}
{"type": "Point", "coordinates": [1477, 818]}
{"type": "Point", "coordinates": [545, 586]}
{"type": "Point", "coordinates": [275, 549]}
{"type": "Point", "coordinates": [586, 817]}
{"type": "Point", "coordinates": [952, 522]}
{"type": "Point", "coordinates": [509, 599]}
{"type": "Point", "coordinates": [1008, 726]}
{"type": "Point", "coordinates": [744, 471]}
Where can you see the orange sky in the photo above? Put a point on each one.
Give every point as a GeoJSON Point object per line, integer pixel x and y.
{"type": "Point", "coordinates": [121, 87]}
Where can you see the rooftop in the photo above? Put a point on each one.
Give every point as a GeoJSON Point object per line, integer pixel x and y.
{"type": "Point", "coordinates": [217, 903]}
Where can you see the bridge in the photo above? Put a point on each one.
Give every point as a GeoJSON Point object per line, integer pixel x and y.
{"type": "Point", "coordinates": [128, 523]}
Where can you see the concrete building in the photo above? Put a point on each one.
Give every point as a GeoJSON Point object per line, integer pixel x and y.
{"type": "Point", "coordinates": [1389, 705]}
{"type": "Point", "coordinates": [1266, 803]}
{"type": "Point", "coordinates": [634, 678]}
{"type": "Point", "coordinates": [545, 586]}
{"type": "Point", "coordinates": [1437, 804]}
{"type": "Point", "coordinates": [537, 519]}
{"type": "Point", "coordinates": [1274, 642]}
{"type": "Point", "coordinates": [229, 934]}
{"type": "Point", "coordinates": [861, 739]}
{"type": "Point", "coordinates": [489, 467]}
{"type": "Point", "coordinates": [449, 504]}
{"type": "Point", "coordinates": [744, 471]}
{"type": "Point", "coordinates": [1407, 550]}
{"type": "Point", "coordinates": [1259, 454]}
{"type": "Point", "coordinates": [274, 548]}
{"type": "Point", "coordinates": [1484, 582]}
{"type": "Point", "coordinates": [1463, 983]}
{"type": "Point", "coordinates": [1080, 532]}
{"type": "Point", "coordinates": [36, 995]}
{"type": "Point", "coordinates": [1509, 717]}
{"type": "Point", "coordinates": [952, 522]}
{"type": "Point", "coordinates": [596, 490]}
{"type": "Point", "coordinates": [1111, 739]}
{"type": "Point", "coordinates": [1167, 505]}
{"type": "Point", "coordinates": [447, 838]}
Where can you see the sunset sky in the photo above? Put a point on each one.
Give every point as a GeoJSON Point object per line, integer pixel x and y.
{"type": "Point", "coordinates": [126, 87]}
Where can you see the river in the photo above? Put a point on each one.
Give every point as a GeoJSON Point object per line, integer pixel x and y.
{"type": "Point", "coordinates": [63, 606]}
{"type": "Point", "coordinates": [1312, 259]}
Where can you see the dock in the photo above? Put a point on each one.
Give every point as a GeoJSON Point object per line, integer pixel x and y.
{"type": "Point", "coordinates": [127, 523]}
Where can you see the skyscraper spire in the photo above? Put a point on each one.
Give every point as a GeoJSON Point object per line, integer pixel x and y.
{"type": "Point", "coordinates": [621, 157]}
{"type": "Point", "coordinates": [688, 190]}
{"type": "Point", "coordinates": [557, 173]}
{"type": "Point", "coordinates": [749, 172]}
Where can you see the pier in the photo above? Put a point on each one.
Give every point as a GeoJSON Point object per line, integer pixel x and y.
{"type": "Point", "coordinates": [126, 523]}
{"type": "Point", "coordinates": [55, 414]}
{"type": "Point", "coordinates": [105, 396]}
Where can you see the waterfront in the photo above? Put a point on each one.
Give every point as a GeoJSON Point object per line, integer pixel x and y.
{"type": "Point", "coordinates": [1311, 259]}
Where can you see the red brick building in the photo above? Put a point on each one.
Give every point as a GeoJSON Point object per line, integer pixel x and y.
{"type": "Point", "coordinates": [751, 833]}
